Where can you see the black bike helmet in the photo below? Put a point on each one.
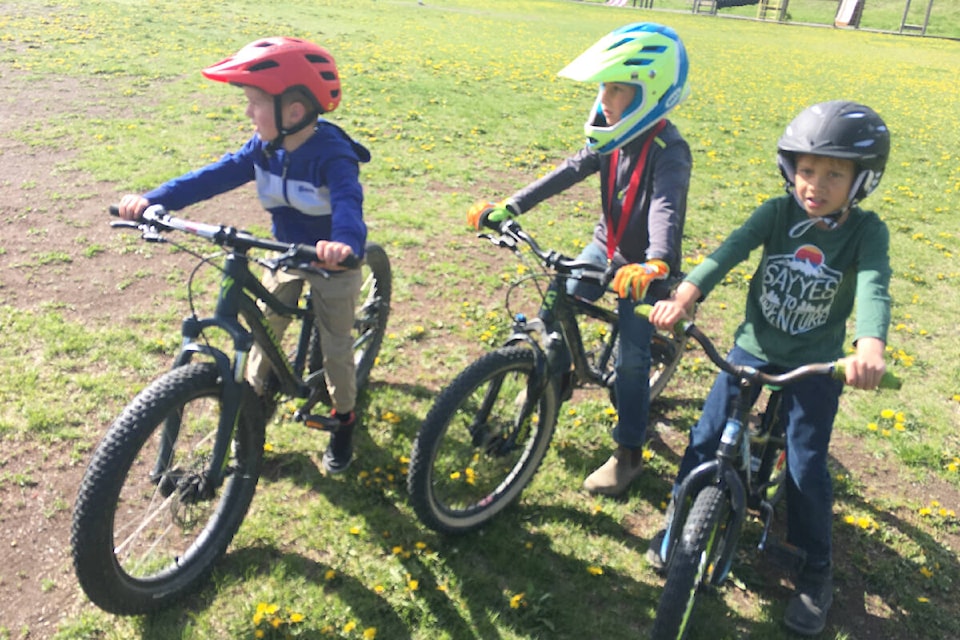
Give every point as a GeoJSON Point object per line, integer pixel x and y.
{"type": "Point", "coordinates": [838, 129]}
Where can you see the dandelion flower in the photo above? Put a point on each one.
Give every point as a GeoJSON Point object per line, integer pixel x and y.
{"type": "Point", "coordinates": [369, 633]}
{"type": "Point", "coordinates": [595, 570]}
{"type": "Point", "coordinates": [516, 601]}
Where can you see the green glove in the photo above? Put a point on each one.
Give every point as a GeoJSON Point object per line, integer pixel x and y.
{"type": "Point", "coordinates": [490, 214]}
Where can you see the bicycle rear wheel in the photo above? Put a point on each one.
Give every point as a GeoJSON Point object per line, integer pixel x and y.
{"type": "Point", "coordinates": [476, 452]}
{"type": "Point", "coordinates": [693, 563]}
{"type": "Point", "coordinates": [665, 354]}
{"type": "Point", "coordinates": [146, 533]}
{"type": "Point", "coordinates": [370, 324]}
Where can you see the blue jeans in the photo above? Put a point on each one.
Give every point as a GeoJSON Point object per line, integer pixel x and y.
{"type": "Point", "coordinates": [808, 409]}
{"type": "Point", "coordinates": [632, 384]}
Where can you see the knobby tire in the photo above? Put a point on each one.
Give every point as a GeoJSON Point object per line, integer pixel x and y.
{"type": "Point", "coordinates": [463, 474]}
{"type": "Point", "coordinates": [692, 564]}
{"type": "Point", "coordinates": [140, 541]}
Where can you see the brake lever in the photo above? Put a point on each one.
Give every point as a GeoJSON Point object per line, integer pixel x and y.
{"type": "Point", "coordinates": [149, 232]}
{"type": "Point", "coordinates": [501, 241]}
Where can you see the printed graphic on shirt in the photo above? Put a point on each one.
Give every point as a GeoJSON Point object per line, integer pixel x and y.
{"type": "Point", "coordinates": [798, 290]}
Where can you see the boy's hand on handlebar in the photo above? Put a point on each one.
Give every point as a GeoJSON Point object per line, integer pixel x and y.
{"type": "Point", "coordinates": [330, 254]}
{"type": "Point", "coordinates": [131, 206]}
{"type": "Point", "coordinates": [665, 314]}
{"type": "Point", "coordinates": [633, 280]}
{"type": "Point", "coordinates": [865, 369]}
{"type": "Point", "coordinates": [489, 214]}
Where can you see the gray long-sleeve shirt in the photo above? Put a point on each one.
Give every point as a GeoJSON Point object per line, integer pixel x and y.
{"type": "Point", "coordinates": [655, 226]}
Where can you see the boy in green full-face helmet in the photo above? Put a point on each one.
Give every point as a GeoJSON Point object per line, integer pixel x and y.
{"type": "Point", "coordinates": [644, 165]}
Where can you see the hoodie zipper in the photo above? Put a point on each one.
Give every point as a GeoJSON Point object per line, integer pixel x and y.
{"type": "Point", "coordinates": [283, 177]}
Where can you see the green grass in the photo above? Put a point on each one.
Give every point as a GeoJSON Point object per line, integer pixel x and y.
{"type": "Point", "coordinates": [458, 101]}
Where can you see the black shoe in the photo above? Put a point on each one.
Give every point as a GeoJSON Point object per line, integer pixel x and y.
{"type": "Point", "coordinates": [339, 452]}
{"type": "Point", "coordinates": [654, 555]}
{"type": "Point", "coordinates": [265, 406]}
{"type": "Point", "coordinates": [807, 610]}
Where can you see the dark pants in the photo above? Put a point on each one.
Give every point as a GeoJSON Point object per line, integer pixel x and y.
{"type": "Point", "coordinates": [808, 410]}
{"type": "Point", "coordinates": [633, 358]}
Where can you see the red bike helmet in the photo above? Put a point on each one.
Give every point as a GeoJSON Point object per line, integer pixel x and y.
{"type": "Point", "coordinates": [278, 65]}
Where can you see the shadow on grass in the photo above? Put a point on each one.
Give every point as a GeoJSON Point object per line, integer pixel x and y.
{"type": "Point", "coordinates": [466, 583]}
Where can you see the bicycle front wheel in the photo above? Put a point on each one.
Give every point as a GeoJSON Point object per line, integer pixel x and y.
{"type": "Point", "coordinates": [147, 525]}
{"type": "Point", "coordinates": [476, 450]}
{"type": "Point", "coordinates": [692, 564]}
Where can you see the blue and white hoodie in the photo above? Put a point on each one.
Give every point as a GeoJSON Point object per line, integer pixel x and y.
{"type": "Point", "coordinates": [313, 193]}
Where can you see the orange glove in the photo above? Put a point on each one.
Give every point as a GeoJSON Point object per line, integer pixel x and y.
{"type": "Point", "coordinates": [633, 280]}
{"type": "Point", "coordinates": [489, 214]}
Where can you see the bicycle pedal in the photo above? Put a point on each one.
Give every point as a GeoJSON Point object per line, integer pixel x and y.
{"type": "Point", "coordinates": [785, 556]}
{"type": "Point", "coordinates": [320, 422]}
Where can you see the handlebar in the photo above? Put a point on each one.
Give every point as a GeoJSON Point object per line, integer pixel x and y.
{"type": "Point", "coordinates": [511, 234]}
{"type": "Point", "coordinates": [155, 220]}
{"type": "Point", "coordinates": [833, 369]}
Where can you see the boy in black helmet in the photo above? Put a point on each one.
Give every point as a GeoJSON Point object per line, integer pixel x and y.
{"type": "Point", "coordinates": [821, 254]}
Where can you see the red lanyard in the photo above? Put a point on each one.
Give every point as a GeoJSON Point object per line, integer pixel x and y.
{"type": "Point", "coordinates": [626, 208]}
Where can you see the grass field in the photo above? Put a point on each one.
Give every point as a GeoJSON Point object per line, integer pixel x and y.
{"type": "Point", "coordinates": [459, 100]}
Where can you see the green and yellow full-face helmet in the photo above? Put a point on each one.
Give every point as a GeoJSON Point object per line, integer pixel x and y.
{"type": "Point", "coordinates": [644, 54]}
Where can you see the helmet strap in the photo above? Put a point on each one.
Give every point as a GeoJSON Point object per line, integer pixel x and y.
{"type": "Point", "coordinates": [831, 221]}
{"type": "Point", "coordinates": [282, 133]}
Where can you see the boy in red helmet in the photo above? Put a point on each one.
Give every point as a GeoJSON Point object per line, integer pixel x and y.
{"type": "Point", "coordinates": [307, 175]}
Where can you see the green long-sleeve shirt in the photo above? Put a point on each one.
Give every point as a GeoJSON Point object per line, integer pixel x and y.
{"type": "Point", "coordinates": [805, 287]}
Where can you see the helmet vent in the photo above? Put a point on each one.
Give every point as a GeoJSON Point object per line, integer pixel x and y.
{"type": "Point", "coordinates": [638, 62]}
{"type": "Point", "coordinates": [328, 75]}
{"type": "Point", "coordinates": [262, 66]}
{"type": "Point", "coordinates": [312, 57]}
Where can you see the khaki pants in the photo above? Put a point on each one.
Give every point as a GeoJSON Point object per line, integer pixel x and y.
{"type": "Point", "coordinates": [334, 306]}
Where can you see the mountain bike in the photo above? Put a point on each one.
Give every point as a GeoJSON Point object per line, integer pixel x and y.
{"type": "Point", "coordinates": [488, 431]}
{"type": "Point", "coordinates": [747, 474]}
{"type": "Point", "coordinates": [173, 477]}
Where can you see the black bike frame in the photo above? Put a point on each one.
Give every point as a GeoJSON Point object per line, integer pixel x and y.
{"type": "Point", "coordinates": [560, 310]}
{"type": "Point", "coordinates": [239, 290]}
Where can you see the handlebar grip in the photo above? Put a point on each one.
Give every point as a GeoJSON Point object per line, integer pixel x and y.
{"type": "Point", "coordinates": [888, 381]}
{"type": "Point", "coordinates": [644, 311]}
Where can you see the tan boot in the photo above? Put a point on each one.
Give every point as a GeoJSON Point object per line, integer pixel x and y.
{"type": "Point", "coordinates": [617, 473]}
